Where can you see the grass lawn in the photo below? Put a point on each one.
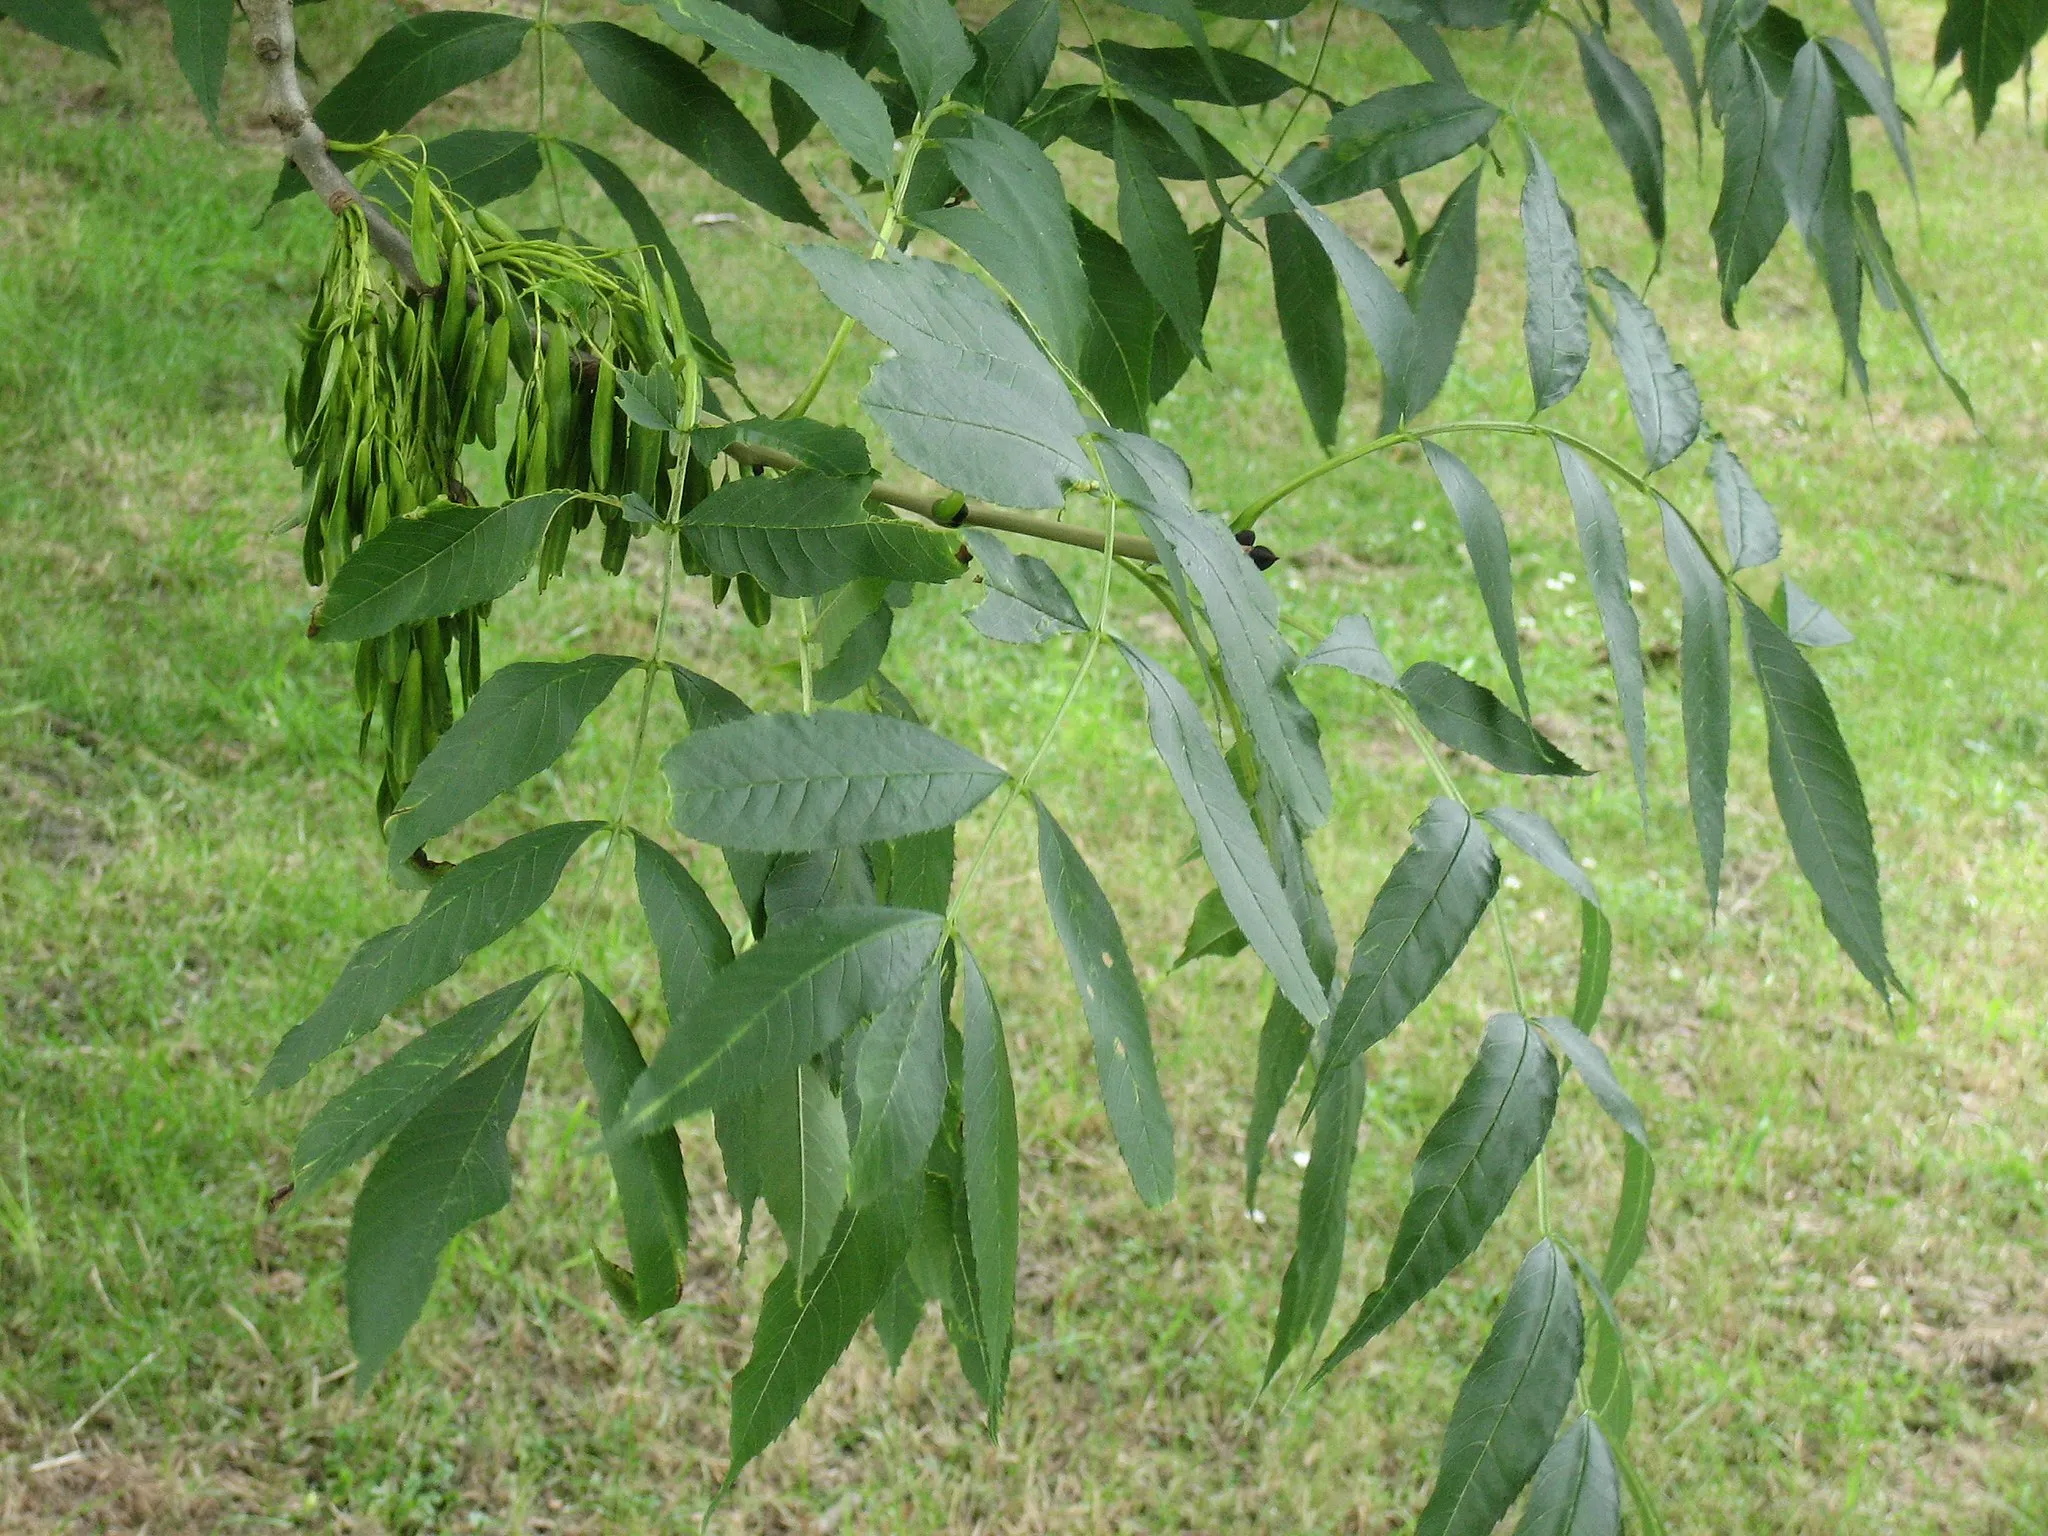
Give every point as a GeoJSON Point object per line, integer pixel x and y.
{"type": "Point", "coordinates": [1842, 1319]}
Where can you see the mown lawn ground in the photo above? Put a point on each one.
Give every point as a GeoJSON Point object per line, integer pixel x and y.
{"type": "Point", "coordinates": [1843, 1316]}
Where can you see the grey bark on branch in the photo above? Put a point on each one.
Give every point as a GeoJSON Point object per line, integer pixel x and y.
{"type": "Point", "coordinates": [275, 44]}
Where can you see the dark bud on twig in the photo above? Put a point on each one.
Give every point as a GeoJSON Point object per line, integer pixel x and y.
{"type": "Point", "coordinates": [1246, 537]}
{"type": "Point", "coordinates": [1263, 557]}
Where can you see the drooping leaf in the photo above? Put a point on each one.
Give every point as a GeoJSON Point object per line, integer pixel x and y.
{"type": "Point", "coordinates": [1576, 1490]}
{"type": "Point", "coordinates": [781, 1002]}
{"type": "Point", "coordinates": [67, 23]}
{"type": "Point", "coordinates": [1181, 74]}
{"type": "Point", "coordinates": [1309, 1288]}
{"type": "Point", "coordinates": [1115, 1009]}
{"type": "Point", "coordinates": [976, 436]}
{"type": "Point", "coordinates": [900, 1077]}
{"type": "Point", "coordinates": [805, 1328]}
{"type": "Point", "coordinates": [801, 1143]}
{"type": "Point", "coordinates": [1554, 326]}
{"type": "Point", "coordinates": [1469, 1167]}
{"type": "Point", "coordinates": [1353, 647]}
{"type": "Point", "coordinates": [1805, 620]}
{"type": "Point", "coordinates": [1536, 837]}
{"type": "Point", "coordinates": [1748, 525]}
{"type": "Point", "coordinates": [1875, 89]}
{"type": "Point", "coordinates": [1019, 45]}
{"type": "Point", "coordinates": [1283, 1047]}
{"type": "Point", "coordinates": [804, 782]}
{"type": "Point", "coordinates": [1629, 114]}
{"type": "Point", "coordinates": [989, 1167]}
{"type": "Point", "coordinates": [1446, 271]}
{"type": "Point", "coordinates": [691, 943]}
{"type": "Point", "coordinates": [1392, 134]}
{"type": "Point", "coordinates": [1810, 151]}
{"type": "Point", "coordinates": [1751, 212]}
{"type": "Point", "coordinates": [1116, 349]}
{"type": "Point", "coordinates": [376, 1104]}
{"type": "Point", "coordinates": [1159, 245]}
{"type": "Point", "coordinates": [482, 165]}
{"type": "Point", "coordinates": [654, 1197]}
{"type": "Point", "coordinates": [1229, 838]}
{"type": "Point", "coordinates": [804, 533]}
{"type": "Point", "coordinates": [1026, 585]}
{"type": "Point", "coordinates": [447, 1169]}
{"type": "Point", "coordinates": [649, 231]}
{"type": "Point", "coordinates": [850, 108]}
{"type": "Point", "coordinates": [915, 871]}
{"type": "Point", "coordinates": [476, 903]}
{"type": "Point", "coordinates": [1170, 356]}
{"type": "Point", "coordinates": [520, 721]}
{"type": "Point", "coordinates": [930, 44]}
{"type": "Point", "coordinates": [1994, 39]}
{"type": "Point", "coordinates": [667, 97]}
{"type": "Point", "coordinates": [1486, 542]}
{"type": "Point", "coordinates": [1631, 1215]}
{"type": "Point", "coordinates": [1512, 1400]}
{"type": "Point", "coordinates": [1243, 615]}
{"type": "Point", "coordinates": [1605, 551]}
{"type": "Point", "coordinates": [448, 558]}
{"type": "Point", "coordinates": [1882, 266]}
{"type": "Point", "coordinates": [1311, 324]}
{"type": "Point", "coordinates": [199, 38]}
{"type": "Point", "coordinates": [1462, 714]}
{"type": "Point", "coordinates": [1669, 26]}
{"type": "Point", "coordinates": [1703, 679]}
{"type": "Point", "coordinates": [897, 1316]}
{"type": "Point", "coordinates": [1661, 394]}
{"type": "Point", "coordinates": [1418, 925]}
{"type": "Point", "coordinates": [1820, 797]}
{"type": "Point", "coordinates": [1212, 932]}
{"type": "Point", "coordinates": [1592, 1065]}
{"type": "Point", "coordinates": [1019, 230]}
{"type": "Point", "coordinates": [1389, 323]}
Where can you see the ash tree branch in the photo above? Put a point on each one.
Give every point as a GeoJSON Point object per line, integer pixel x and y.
{"type": "Point", "coordinates": [284, 102]}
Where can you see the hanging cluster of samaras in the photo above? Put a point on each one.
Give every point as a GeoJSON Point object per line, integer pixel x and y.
{"type": "Point", "coordinates": [842, 1037]}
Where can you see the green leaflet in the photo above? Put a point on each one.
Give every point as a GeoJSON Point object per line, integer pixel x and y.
{"type": "Point", "coordinates": [900, 1079]}
{"type": "Point", "coordinates": [1576, 1490]}
{"type": "Point", "coordinates": [67, 23]}
{"type": "Point", "coordinates": [930, 44]}
{"type": "Point", "coordinates": [1591, 1062]}
{"type": "Point", "coordinates": [1512, 1400]}
{"type": "Point", "coordinates": [804, 1329]}
{"type": "Point", "coordinates": [1019, 231]}
{"type": "Point", "coordinates": [780, 1003]}
{"type": "Point", "coordinates": [663, 95]}
{"type": "Point", "coordinates": [915, 871]}
{"type": "Point", "coordinates": [691, 943]}
{"type": "Point", "coordinates": [1554, 326]}
{"type": "Point", "coordinates": [897, 1315]}
{"type": "Point", "coordinates": [1994, 39]}
{"type": "Point", "coordinates": [989, 1168]}
{"type": "Point", "coordinates": [1875, 90]}
{"type": "Point", "coordinates": [1751, 212]}
{"type": "Point", "coordinates": [813, 444]}
{"type": "Point", "coordinates": [1605, 551]}
{"type": "Point", "coordinates": [1212, 932]}
{"type": "Point", "coordinates": [1462, 714]}
{"type": "Point", "coordinates": [847, 105]}
{"type": "Point", "coordinates": [1486, 542]}
{"type": "Point", "coordinates": [1309, 1288]}
{"type": "Point", "coordinates": [942, 1263]}
{"type": "Point", "coordinates": [975, 435]}
{"type": "Point", "coordinates": [1469, 1167]}
{"type": "Point", "coordinates": [803, 533]}
{"type": "Point", "coordinates": [520, 721]}
{"type": "Point", "coordinates": [1115, 1008]}
{"type": "Point", "coordinates": [648, 229]}
{"type": "Point", "coordinates": [1883, 268]}
{"type": "Point", "coordinates": [1748, 525]}
{"type": "Point", "coordinates": [1632, 1215]}
{"type": "Point", "coordinates": [1819, 797]}
{"type": "Point", "coordinates": [1116, 348]}
{"type": "Point", "coordinates": [654, 1197]}
{"type": "Point", "coordinates": [1811, 153]}
{"type": "Point", "coordinates": [1542, 842]}
{"type": "Point", "coordinates": [1230, 840]}
{"type": "Point", "coordinates": [799, 1138]}
{"type": "Point", "coordinates": [1243, 615]}
{"type": "Point", "coordinates": [1629, 114]}
{"type": "Point", "coordinates": [1388, 321]}
{"type": "Point", "coordinates": [1669, 25]}
{"type": "Point", "coordinates": [1805, 620]}
{"type": "Point", "coordinates": [1661, 394]}
{"type": "Point", "coordinates": [1390, 135]}
{"type": "Point", "coordinates": [376, 1104]}
{"type": "Point", "coordinates": [442, 561]}
{"type": "Point", "coordinates": [793, 783]}
{"type": "Point", "coordinates": [1311, 324]}
{"type": "Point", "coordinates": [1160, 248]}
{"type": "Point", "coordinates": [199, 38]}
{"type": "Point", "coordinates": [1352, 647]}
{"type": "Point", "coordinates": [1180, 74]}
{"type": "Point", "coordinates": [1703, 678]}
{"type": "Point", "coordinates": [1170, 356]}
{"type": "Point", "coordinates": [1440, 292]}
{"type": "Point", "coordinates": [478, 902]}
{"type": "Point", "coordinates": [1419, 923]}
{"type": "Point", "coordinates": [482, 165]}
{"type": "Point", "coordinates": [1026, 596]}
{"type": "Point", "coordinates": [448, 1168]}
{"type": "Point", "coordinates": [1019, 46]}
{"type": "Point", "coordinates": [1283, 1047]}
{"type": "Point", "coordinates": [413, 65]}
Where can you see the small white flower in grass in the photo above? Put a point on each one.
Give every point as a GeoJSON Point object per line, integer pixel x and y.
{"type": "Point", "coordinates": [1636, 587]}
{"type": "Point", "coordinates": [1675, 974]}
{"type": "Point", "coordinates": [1512, 882]}
{"type": "Point", "coordinates": [1301, 1157]}
{"type": "Point", "coordinates": [1258, 1218]}
{"type": "Point", "coordinates": [1587, 863]}
{"type": "Point", "coordinates": [1417, 526]}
